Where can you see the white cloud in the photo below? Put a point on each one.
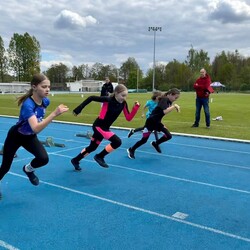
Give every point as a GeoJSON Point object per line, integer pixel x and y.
{"type": "Point", "coordinates": [88, 31]}
{"type": "Point", "coordinates": [68, 20]}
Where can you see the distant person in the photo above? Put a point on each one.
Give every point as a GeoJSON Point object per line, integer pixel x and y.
{"type": "Point", "coordinates": [153, 123]}
{"type": "Point", "coordinates": [112, 107]}
{"type": "Point", "coordinates": [107, 88]}
{"type": "Point", "coordinates": [203, 90]}
{"type": "Point", "coordinates": [31, 122]}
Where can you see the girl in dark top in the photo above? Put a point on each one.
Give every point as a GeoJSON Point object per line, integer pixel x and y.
{"type": "Point", "coordinates": [111, 109]}
{"type": "Point", "coordinates": [165, 105]}
{"type": "Point", "coordinates": [30, 123]}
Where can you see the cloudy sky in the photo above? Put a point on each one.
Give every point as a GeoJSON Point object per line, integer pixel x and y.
{"type": "Point", "coordinates": [78, 32]}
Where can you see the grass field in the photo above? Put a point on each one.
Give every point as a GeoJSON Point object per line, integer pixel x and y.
{"type": "Point", "coordinates": [233, 107]}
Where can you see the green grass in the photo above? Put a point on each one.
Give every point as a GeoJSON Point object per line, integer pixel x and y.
{"type": "Point", "coordinates": [233, 107]}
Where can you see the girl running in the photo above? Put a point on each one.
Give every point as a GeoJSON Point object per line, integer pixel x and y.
{"type": "Point", "coordinates": [150, 105]}
{"type": "Point", "coordinates": [164, 106]}
{"type": "Point", "coordinates": [30, 123]}
{"type": "Point", "coordinates": [111, 109]}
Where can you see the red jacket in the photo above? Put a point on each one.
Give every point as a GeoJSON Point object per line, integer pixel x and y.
{"type": "Point", "coordinates": [202, 86]}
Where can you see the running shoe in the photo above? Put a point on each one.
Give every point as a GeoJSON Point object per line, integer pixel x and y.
{"type": "Point", "coordinates": [131, 132]}
{"type": "Point", "coordinates": [32, 177]}
{"type": "Point", "coordinates": [101, 161]}
{"type": "Point", "coordinates": [156, 146]}
{"type": "Point", "coordinates": [131, 153]}
{"type": "Point", "coordinates": [76, 164]}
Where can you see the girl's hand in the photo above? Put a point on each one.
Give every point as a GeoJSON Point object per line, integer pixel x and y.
{"type": "Point", "coordinates": [137, 103]}
{"type": "Point", "coordinates": [177, 107]}
{"type": "Point", "coordinates": [61, 109]}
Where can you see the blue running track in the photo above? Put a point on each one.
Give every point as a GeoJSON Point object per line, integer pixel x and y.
{"type": "Point", "coordinates": [194, 195]}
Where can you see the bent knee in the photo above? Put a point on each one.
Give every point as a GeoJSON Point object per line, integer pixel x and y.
{"type": "Point", "coordinates": [116, 143]}
{"type": "Point", "coordinates": [44, 160]}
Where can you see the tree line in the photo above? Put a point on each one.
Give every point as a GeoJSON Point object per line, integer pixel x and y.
{"type": "Point", "coordinates": [23, 57]}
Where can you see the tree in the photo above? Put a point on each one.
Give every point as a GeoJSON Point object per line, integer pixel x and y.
{"type": "Point", "coordinates": [3, 61]}
{"type": "Point", "coordinates": [128, 71]}
{"type": "Point", "coordinates": [24, 56]}
{"type": "Point", "coordinates": [197, 59]}
{"type": "Point", "coordinates": [179, 75]}
{"type": "Point", "coordinates": [57, 74]}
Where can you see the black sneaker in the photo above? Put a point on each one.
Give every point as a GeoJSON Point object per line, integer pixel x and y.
{"type": "Point", "coordinates": [76, 164]}
{"type": "Point", "coordinates": [101, 161]}
{"type": "Point", "coordinates": [32, 177]}
{"type": "Point", "coordinates": [195, 126]}
{"type": "Point", "coordinates": [131, 132]}
{"type": "Point", "coordinates": [131, 153]}
{"type": "Point", "coordinates": [156, 146]}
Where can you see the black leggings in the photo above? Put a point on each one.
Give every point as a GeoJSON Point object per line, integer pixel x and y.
{"type": "Point", "coordinates": [99, 135]}
{"type": "Point", "coordinates": [15, 140]}
{"type": "Point", "coordinates": [166, 137]}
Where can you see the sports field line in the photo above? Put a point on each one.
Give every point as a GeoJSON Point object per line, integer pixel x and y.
{"type": "Point", "coordinates": [168, 176]}
{"type": "Point", "coordinates": [210, 229]}
{"type": "Point", "coordinates": [150, 173]}
{"type": "Point", "coordinates": [7, 246]}
{"type": "Point", "coordinates": [128, 128]}
{"type": "Point", "coordinates": [136, 138]}
{"type": "Point", "coordinates": [162, 155]}
{"type": "Point", "coordinates": [212, 148]}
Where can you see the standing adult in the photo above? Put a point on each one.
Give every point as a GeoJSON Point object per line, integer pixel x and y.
{"type": "Point", "coordinates": [107, 88]}
{"type": "Point", "coordinates": [203, 89]}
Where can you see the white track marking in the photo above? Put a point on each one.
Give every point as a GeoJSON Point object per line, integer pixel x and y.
{"type": "Point", "coordinates": [7, 246]}
{"type": "Point", "coordinates": [210, 229]}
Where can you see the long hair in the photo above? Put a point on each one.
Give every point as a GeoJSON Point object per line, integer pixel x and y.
{"type": "Point", "coordinates": [173, 91]}
{"type": "Point", "coordinates": [36, 79]}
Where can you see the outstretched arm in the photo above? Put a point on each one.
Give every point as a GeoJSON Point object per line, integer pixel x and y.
{"type": "Point", "coordinates": [79, 108]}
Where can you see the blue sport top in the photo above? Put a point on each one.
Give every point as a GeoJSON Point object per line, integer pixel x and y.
{"type": "Point", "coordinates": [28, 109]}
{"type": "Point", "coordinates": [150, 104]}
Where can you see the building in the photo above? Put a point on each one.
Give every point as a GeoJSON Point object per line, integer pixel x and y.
{"type": "Point", "coordinates": [89, 85]}
{"type": "Point", "coordinates": [14, 87]}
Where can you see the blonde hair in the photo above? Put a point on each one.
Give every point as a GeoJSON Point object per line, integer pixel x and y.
{"type": "Point", "coordinates": [120, 88]}
{"type": "Point", "coordinates": [36, 79]}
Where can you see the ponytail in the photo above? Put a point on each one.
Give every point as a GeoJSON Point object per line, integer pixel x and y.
{"type": "Point", "coordinates": [36, 79]}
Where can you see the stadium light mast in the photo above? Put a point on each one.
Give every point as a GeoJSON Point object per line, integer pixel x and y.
{"type": "Point", "coordinates": [154, 29]}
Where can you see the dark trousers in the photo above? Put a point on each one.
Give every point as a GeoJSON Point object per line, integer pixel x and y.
{"type": "Point", "coordinates": [202, 102]}
{"type": "Point", "coordinates": [167, 136]}
{"type": "Point", "coordinates": [15, 140]}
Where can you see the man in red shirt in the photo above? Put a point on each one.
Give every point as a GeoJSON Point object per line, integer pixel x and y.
{"type": "Point", "coordinates": [203, 89]}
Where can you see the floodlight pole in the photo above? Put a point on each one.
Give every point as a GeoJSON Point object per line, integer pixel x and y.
{"type": "Point", "coordinates": [154, 29]}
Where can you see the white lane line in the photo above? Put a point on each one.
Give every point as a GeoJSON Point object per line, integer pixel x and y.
{"type": "Point", "coordinates": [163, 155]}
{"type": "Point", "coordinates": [7, 246]}
{"type": "Point", "coordinates": [155, 174]}
{"type": "Point", "coordinates": [170, 177]}
{"type": "Point", "coordinates": [210, 229]}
